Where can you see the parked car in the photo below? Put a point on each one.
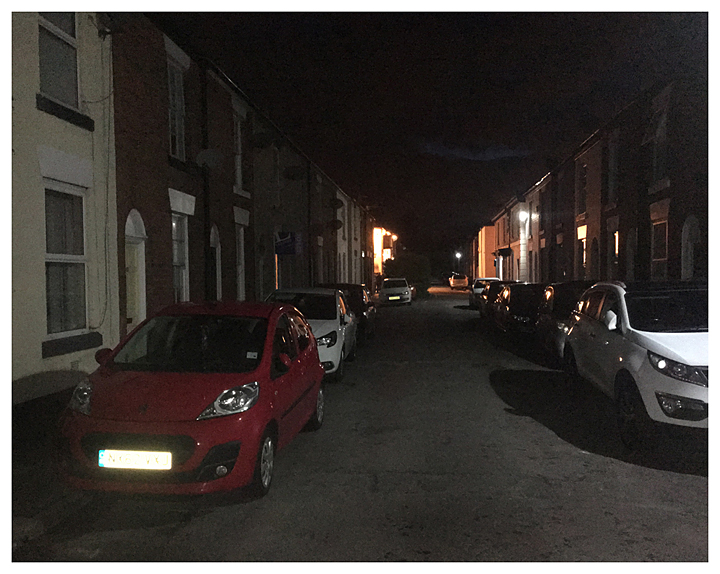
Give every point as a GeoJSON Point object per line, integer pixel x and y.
{"type": "Point", "coordinates": [196, 400]}
{"type": "Point", "coordinates": [362, 305]}
{"type": "Point", "coordinates": [395, 291]}
{"type": "Point", "coordinates": [554, 315]}
{"type": "Point", "coordinates": [646, 347]}
{"type": "Point", "coordinates": [489, 296]}
{"type": "Point", "coordinates": [516, 307]}
{"type": "Point", "coordinates": [476, 290]}
{"type": "Point", "coordinates": [458, 281]}
{"type": "Point", "coordinates": [332, 321]}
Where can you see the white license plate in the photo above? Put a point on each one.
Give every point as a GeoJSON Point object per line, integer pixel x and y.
{"type": "Point", "coordinates": [135, 459]}
{"type": "Point", "coordinates": [394, 298]}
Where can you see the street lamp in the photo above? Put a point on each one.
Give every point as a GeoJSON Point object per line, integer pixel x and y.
{"type": "Point", "coordinates": [458, 255]}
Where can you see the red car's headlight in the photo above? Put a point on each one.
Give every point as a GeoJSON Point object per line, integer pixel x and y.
{"type": "Point", "coordinates": [233, 401]}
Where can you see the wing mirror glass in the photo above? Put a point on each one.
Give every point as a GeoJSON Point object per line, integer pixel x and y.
{"type": "Point", "coordinates": [611, 320]}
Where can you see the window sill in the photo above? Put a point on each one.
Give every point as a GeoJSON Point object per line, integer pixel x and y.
{"type": "Point", "coordinates": [242, 192]}
{"type": "Point", "coordinates": [66, 345]}
{"type": "Point", "coordinates": [65, 113]}
{"type": "Point", "coordinates": [659, 185]}
{"type": "Point", "coordinates": [186, 167]}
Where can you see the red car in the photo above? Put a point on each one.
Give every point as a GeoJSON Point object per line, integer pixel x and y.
{"type": "Point", "coordinates": [197, 399]}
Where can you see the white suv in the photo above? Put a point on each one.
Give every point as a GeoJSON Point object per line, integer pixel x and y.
{"type": "Point", "coordinates": [646, 347]}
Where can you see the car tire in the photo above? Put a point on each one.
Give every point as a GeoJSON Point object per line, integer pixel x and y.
{"type": "Point", "coordinates": [353, 351]}
{"type": "Point", "coordinates": [634, 424]}
{"type": "Point", "coordinates": [317, 418]}
{"type": "Point", "coordinates": [339, 373]}
{"type": "Point", "coordinates": [264, 466]}
{"type": "Point", "coordinates": [570, 365]}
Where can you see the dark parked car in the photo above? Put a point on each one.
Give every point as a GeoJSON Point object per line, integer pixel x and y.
{"type": "Point", "coordinates": [477, 289]}
{"type": "Point", "coordinates": [489, 295]}
{"type": "Point", "coordinates": [555, 314]}
{"type": "Point", "coordinates": [516, 307]}
{"type": "Point", "coordinates": [361, 304]}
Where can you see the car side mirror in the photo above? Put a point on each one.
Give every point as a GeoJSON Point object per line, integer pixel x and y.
{"type": "Point", "coordinates": [102, 355]}
{"type": "Point", "coordinates": [285, 360]}
{"type": "Point", "coordinates": [611, 320]}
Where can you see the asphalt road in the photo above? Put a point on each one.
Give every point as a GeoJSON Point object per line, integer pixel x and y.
{"type": "Point", "coordinates": [443, 443]}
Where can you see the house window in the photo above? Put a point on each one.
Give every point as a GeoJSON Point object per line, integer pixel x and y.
{"type": "Point", "coordinates": [180, 257]}
{"type": "Point", "coordinates": [58, 57]}
{"type": "Point", "coordinates": [239, 181]}
{"type": "Point", "coordinates": [582, 189]}
{"type": "Point", "coordinates": [65, 260]}
{"type": "Point", "coordinates": [176, 110]}
{"type": "Point", "coordinates": [659, 251]}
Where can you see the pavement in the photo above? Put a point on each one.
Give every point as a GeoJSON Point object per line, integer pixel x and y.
{"type": "Point", "coordinates": [40, 499]}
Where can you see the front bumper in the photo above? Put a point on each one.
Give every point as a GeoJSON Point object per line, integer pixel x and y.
{"type": "Point", "coordinates": [671, 401]}
{"type": "Point", "coordinates": [208, 456]}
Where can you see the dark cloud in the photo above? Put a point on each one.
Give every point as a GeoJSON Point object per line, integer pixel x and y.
{"type": "Point", "coordinates": [490, 153]}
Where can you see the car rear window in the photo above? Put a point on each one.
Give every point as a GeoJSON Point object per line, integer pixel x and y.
{"type": "Point", "coordinates": [394, 283]}
{"type": "Point", "coordinates": [195, 344]}
{"type": "Point", "coordinates": [312, 305]}
{"type": "Point", "coordinates": [668, 312]}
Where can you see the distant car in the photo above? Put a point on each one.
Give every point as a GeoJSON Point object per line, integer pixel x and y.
{"type": "Point", "coordinates": [395, 291]}
{"type": "Point", "coordinates": [458, 281]}
{"type": "Point", "coordinates": [489, 295]}
{"type": "Point", "coordinates": [555, 314]}
{"type": "Point", "coordinates": [516, 307]}
{"type": "Point", "coordinates": [646, 347]}
{"type": "Point", "coordinates": [362, 305]}
{"type": "Point", "coordinates": [332, 321]}
{"type": "Point", "coordinates": [476, 290]}
{"type": "Point", "coordinates": [197, 400]}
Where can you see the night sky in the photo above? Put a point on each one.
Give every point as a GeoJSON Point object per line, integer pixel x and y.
{"type": "Point", "coordinates": [436, 120]}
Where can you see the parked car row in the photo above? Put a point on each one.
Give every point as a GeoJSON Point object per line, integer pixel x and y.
{"type": "Point", "coordinates": [198, 398]}
{"type": "Point", "coordinates": [645, 345]}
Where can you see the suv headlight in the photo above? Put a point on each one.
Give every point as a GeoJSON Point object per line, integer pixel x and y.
{"type": "Point", "coordinates": [677, 370]}
{"type": "Point", "coordinates": [232, 402]}
{"type": "Point", "coordinates": [80, 400]}
{"type": "Point", "coordinates": [327, 340]}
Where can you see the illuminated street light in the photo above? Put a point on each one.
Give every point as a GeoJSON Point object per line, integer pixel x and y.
{"type": "Point", "coordinates": [523, 216]}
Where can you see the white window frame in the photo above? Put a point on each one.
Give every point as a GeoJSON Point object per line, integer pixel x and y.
{"type": "Point", "coordinates": [185, 268]}
{"type": "Point", "coordinates": [69, 189]}
{"type": "Point", "coordinates": [73, 43]}
{"type": "Point", "coordinates": [176, 109]}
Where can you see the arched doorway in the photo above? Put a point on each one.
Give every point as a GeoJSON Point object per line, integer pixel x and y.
{"type": "Point", "coordinates": [135, 294]}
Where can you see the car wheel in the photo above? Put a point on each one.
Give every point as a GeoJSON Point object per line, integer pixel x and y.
{"type": "Point", "coordinates": [570, 365]}
{"type": "Point", "coordinates": [264, 466]}
{"type": "Point", "coordinates": [340, 371]}
{"type": "Point", "coordinates": [634, 424]}
{"type": "Point", "coordinates": [316, 420]}
{"type": "Point", "coordinates": [353, 350]}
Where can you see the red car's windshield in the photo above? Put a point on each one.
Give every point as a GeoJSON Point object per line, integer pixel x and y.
{"type": "Point", "coordinates": [195, 344]}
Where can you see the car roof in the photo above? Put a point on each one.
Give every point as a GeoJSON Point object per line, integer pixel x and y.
{"type": "Point", "coordinates": [236, 308]}
{"type": "Point", "coordinates": [309, 290]}
{"type": "Point", "coordinates": [654, 286]}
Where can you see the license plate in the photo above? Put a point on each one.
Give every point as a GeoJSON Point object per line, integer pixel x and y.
{"type": "Point", "coordinates": [394, 298]}
{"type": "Point", "coordinates": [135, 459]}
